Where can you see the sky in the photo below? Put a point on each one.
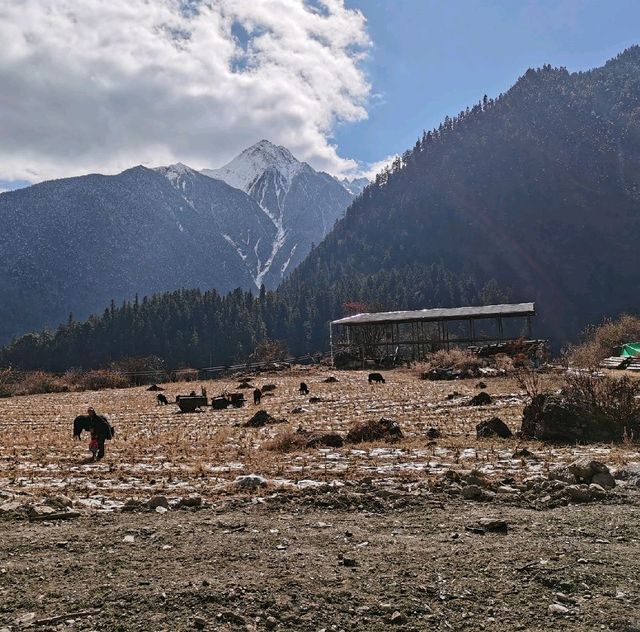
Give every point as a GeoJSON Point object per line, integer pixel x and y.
{"type": "Point", "coordinates": [344, 84]}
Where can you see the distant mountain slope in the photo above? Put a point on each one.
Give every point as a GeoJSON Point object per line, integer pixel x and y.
{"type": "Point", "coordinates": [72, 245]}
{"type": "Point", "coordinates": [539, 189]}
{"type": "Point", "coordinates": [302, 204]}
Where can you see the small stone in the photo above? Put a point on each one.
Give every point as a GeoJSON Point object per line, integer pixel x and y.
{"type": "Point", "coordinates": [199, 622]}
{"type": "Point", "coordinates": [557, 609]}
{"type": "Point", "coordinates": [158, 501]}
{"type": "Point", "coordinates": [10, 506]}
{"type": "Point", "coordinates": [398, 618]}
{"type": "Point", "coordinates": [491, 525]}
{"type": "Point", "coordinates": [271, 622]}
{"type": "Point", "coordinates": [129, 539]}
{"type": "Point", "coordinates": [349, 561]}
{"type": "Point", "coordinates": [597, 491]}
{"type": "Point", "coordinates": [250, 481]}
{"type": "Point", "coordinates": [25, 619]}
{"type": "Point", "coordinates": [507, 489]}
{"type": "Point", "coordinates": [161, 510]}
{"type": "Point", "coordinates": [190, 501]}
{"type": "Point", "coordinates": [41, 510]}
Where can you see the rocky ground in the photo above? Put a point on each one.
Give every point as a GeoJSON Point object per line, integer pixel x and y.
{"type": "Point", "coordinates": [198, 522]}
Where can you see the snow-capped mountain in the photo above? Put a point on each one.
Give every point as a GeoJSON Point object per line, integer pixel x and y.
{"type": "Point", "coordinates": [73, 245]}
{"type": "Point", "coordinates": [302, 204]}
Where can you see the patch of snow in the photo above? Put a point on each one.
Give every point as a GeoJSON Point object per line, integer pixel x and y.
{"type": "Point", "coordinates": [243, 171]}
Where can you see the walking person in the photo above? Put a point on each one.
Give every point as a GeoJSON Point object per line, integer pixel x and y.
{"type": "Point", "coordinates": [100, 430]}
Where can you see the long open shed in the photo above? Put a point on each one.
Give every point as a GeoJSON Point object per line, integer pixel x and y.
{"type": "Point", "coordinates": [413, 334]}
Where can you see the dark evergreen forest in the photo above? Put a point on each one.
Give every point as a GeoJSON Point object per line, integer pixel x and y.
{"type": "Point", "coordinates": [534, 195]}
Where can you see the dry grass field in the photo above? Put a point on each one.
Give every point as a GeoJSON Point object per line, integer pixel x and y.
{"type": "Point", "coordinates": [157, 449]}
{"type": "Point", "coordinates": [362, 537]}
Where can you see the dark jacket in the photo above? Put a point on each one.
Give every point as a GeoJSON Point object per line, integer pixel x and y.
{"type": "Point", "coordinates": [101, 427]}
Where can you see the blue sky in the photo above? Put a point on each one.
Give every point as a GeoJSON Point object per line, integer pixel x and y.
{"type": "Point", "coordinates": [198, 87]}
{"type": "Point", "coordinates": [431, 58]}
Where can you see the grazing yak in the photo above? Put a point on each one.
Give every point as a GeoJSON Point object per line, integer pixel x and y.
{"type": "Point", "coordinates": [376, 377]}
{"type": "Point", "coordinates": [257, 395]}
{"type": "Point", "coordinates": [304, 389]}
{"type": "Point", "coordinates": [162, 399]}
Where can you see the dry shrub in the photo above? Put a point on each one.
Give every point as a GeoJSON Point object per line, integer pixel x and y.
{"type": "Point", "coordinates": [601, 341]}
{"type": "Point", "coordinates": [528, 380]}
{"type": "Point", "coordinates": [504, 362]}
{"type": "Point", "coordinates": [100, 379]}
{"type": "Point", "coordinates": [610, 400]}
{"type": "Point", "coordinates": [455, 358]}
{"type": "Point", "coordinates": [41, 382]}
{"type": "Point", "coordinates": [287, 441]}
{"type": "Point", "coordinates": [6, 382]}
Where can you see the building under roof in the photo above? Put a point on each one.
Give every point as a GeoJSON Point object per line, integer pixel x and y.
{"type": "Point", "coordinates": [413, 334]}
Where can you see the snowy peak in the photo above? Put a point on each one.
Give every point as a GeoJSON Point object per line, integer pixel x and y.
{"type": "Point", "coordinates": [246, 168]}
{"type": "Point", "coordinates": [355, 186]}
{"type": "Point", "coordinates": [174, 173]}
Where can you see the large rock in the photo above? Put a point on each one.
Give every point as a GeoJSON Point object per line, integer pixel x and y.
{"type": "Point", "coordinates": [493, 427]}
{"type": "Point", "coordinates": [553, 418]}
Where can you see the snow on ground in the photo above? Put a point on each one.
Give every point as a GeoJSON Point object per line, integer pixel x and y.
{"type": "Point", "coordinates": [158, 450]}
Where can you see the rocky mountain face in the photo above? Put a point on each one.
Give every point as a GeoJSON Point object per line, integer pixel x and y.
{"type": "Point", "coordinates": [302, 204]}
{"type": "Point", "coordinates": [74, 245]}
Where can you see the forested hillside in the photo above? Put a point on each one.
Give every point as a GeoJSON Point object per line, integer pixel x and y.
{"type": "Point", "coordinates": [534, 195]}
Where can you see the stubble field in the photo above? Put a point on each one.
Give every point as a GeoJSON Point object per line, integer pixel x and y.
{"type": "Point", "coordinates": [363, 537]}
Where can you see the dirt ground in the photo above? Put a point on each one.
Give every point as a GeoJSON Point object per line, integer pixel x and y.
{"type": "Point", "coordinates": [364, 537]}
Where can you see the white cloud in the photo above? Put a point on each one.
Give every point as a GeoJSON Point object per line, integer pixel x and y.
{"type": "Point", "coordinates": [101, 86]}
{"type": "Point", "coordinates": [372, 169]}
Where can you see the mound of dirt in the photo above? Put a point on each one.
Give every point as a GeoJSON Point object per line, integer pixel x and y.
{"type": "Point", "coordinates": [384, 429]}
{"type": "Point", "coordinates": [263, 418]}
{"type": "Point", "coordinates": [481, 399]}
{"type": "Point", "coordinates": [493, 427]}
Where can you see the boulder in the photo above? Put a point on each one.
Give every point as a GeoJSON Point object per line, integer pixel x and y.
{"type": "Point", "coordinates": [553, 418]}
{"type": "Point", "coordinates": [493, 427]}
{"type": "Point", "coordinates": [481, 399]}
{"type": "Point", "coordinates": [433, 433]}
{"type": "Point", "coordinates": [384, 429]}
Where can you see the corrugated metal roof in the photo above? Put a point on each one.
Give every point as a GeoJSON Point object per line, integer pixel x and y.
{"type": "Point", "coordinates": [440, 313]}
